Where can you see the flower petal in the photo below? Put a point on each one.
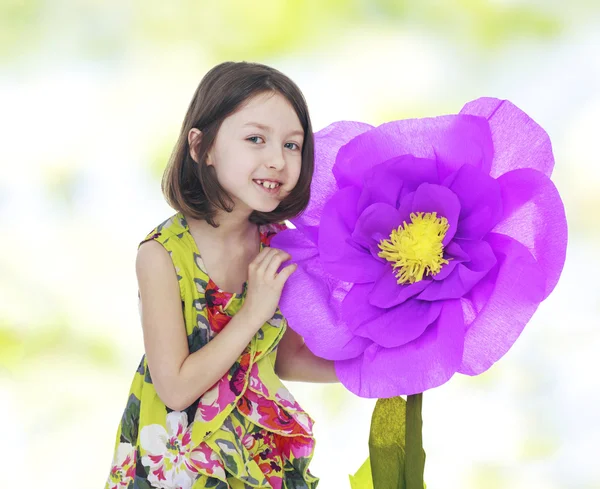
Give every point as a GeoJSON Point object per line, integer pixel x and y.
{"type": "Point", "coordinates": [462, 279]}
{"type": "Point", "coordinates": [389, 181]}
{"type": "Point", "coordinates": [455, 255]}
{"type": "Point", "coordinates": [427, 362]}
{"type": "Point", "coordinates": [534, 215]}
{"type": "Point", "coordinates": [356, 309]}
{"type": "Point", "coordinates": [340, 257]}
{"type": "Point", "coordinates": [401, 324]}
{"type": "Point", "coordinates": [480, 201]}
{"type": "Point", "coordinates": [519, 142]}
{"type": "Point", "coordinates": [375, 224]}
{"type": "Point", "coordinates": [387, 292]}
{"type": "Point", "coordinates": [518, 289]}
{"type": "Point", "coordinates": [327, 144]}
{"type": "Point", "coordinates": [317, 316]}
{"type": "Point", "coordinates": [451, 141]}
{"type": "Point", "coordinates": [183, 477]}
{"type": "Point", "coordinates": [153, 440]}
{"type": "Point", "coordinates": [406, 207]}
{"type": "Point", "coordinates": [177, 423]}
{"type": "Point", "coordinates": [296, 243]}
{"type": "Point", "coordinates": [439, 199]}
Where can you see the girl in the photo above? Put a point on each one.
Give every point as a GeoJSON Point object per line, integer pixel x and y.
{"type": "Point", "coordinates": [206, 407]}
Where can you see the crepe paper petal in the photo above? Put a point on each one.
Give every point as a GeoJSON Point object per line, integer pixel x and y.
{"type": "Point", "coordinates": [375, 224]}
{"type": "Point", "coordinates": [387, 293]}
{"type": "Point", "coordinates": [451, 141]}
{"type": "Point", "coordinates": [296, 243]}
{"type": "Point", "coordinates": [427, 362]}
{"type": "Point", "coordinates": [316, 316]}
{"type": "Point", "coordinates": [328, 141]}
{"type": "Point", "coordinates": [518, 141]}
{"type": "Point", "coordinates": [518, 290]}
{"type": "Point", "coordinates": [535, 216]}
{"type": "Point", "coordinates": [442, 201]}
{"type": "Point", "coordinates": [480, 201]}
{"type": "Point", "coordinates": [356, 309]}
{"type": "Point", "coordinates": [455, 255]}
{"type": "Point", "coordinates": [465, 276]}
{"type": "Point", "coordinates": [340, 258]}
{"type": "Point", "coordinates": [401, 324]}
{"type": "Point", "coordinates": [388, 182]}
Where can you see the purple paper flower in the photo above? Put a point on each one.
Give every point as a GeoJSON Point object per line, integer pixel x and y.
{"type": "Point", "coordinates": [427, 246]}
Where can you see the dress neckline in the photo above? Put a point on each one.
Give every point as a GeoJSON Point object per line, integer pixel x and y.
{"type": "Point", "coordinates": [211, 283]}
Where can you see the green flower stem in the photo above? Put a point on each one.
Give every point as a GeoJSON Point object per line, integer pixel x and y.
{"type": "Point", "coordinates": [415, 455]}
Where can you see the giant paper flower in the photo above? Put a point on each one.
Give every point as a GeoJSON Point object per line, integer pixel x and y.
{"type": "Point", "coordinates": [427, 246]}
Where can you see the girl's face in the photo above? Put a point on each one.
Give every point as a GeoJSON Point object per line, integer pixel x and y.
{"type": "Point", "coordinates": [257, 154]}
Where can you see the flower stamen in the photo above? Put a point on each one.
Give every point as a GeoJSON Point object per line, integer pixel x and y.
{"type": "Point", "coordinates": [416, 249]}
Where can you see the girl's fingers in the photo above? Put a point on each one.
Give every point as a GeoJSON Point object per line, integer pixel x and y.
{"type": "Point", "coordinates": [262, 268]}
{"type": "Point", "coordinates": [274, 263]}
{"type": "Point", "coordinates": [260, 258]}
{"type": "Point", "coordinates": [285, 273]}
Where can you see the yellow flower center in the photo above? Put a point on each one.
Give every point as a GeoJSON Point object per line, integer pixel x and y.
{"type": "Point", "coordinates": [416, 249]}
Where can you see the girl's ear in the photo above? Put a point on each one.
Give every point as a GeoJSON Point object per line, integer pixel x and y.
{"type": "Point", "coordinates": [194, 138]}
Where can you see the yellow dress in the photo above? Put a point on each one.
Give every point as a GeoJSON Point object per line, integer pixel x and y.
{"type": "Point", "coordinates": [247, 431]}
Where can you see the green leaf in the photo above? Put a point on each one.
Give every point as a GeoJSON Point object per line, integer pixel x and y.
{"type": "Point", "coordinates": [387, 443]}
{"type": "Point", "coordinates": [230, 463]}
{"type": "Point", "coordinates": [214, 483]}
{"type": "Point", "coordinates": [141, 483]}
{"type": "Point", "coordinates": [130, 421]}
{"type": "Point", "coordinates": [363, 478]}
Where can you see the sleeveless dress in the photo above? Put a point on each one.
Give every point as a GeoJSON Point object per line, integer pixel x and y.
{"type": "Point", "coordinates": [247, 431]}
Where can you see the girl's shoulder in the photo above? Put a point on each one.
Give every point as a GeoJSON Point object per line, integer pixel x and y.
{"type": "Point", "coordinates": [174, 226]}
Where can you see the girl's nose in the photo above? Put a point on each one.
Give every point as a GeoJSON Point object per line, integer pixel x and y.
{"type": "Point", "coordinates": [277, 161]}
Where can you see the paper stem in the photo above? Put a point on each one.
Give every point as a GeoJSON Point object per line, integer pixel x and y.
{"type": "Point", "coordinates": [415, 455]}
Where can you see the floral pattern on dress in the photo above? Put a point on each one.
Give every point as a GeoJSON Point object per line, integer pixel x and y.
{"type": "Point", "coordinates": [122, 472]}
{"type": "Point", "coordinates": [247, 427]}
{"type": "Point", "coordinates": [214, 401]}
{"type": "Point", "coordinates": [268, 414]}
{"type": "Point", "coordinates": [216, 303]}
{"type": "Point", "coordinates": [171, 457]}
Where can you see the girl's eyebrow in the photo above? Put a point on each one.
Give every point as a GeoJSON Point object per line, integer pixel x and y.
{"type": "Point", "coordinates": [262, 127]}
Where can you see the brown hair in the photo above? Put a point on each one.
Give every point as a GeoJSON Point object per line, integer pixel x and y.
{"type": "Point", "coordinates": [193, 188]}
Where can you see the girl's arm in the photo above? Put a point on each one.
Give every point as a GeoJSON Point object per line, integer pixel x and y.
{"type": "Point", "coordinates": [178, 376]}
{"type": "Point", "coordinates": [295, 362]}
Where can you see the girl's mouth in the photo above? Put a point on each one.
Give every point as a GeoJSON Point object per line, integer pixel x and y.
{"type": "Point", "coordinates": [269, 186]}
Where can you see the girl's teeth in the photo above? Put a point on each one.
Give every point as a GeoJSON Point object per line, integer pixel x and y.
{"type": "Point", "coordinates": [269, 185]}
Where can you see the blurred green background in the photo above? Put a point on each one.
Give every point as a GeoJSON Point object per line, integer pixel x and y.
{"type": "Point", "coordinates": [92, 97]}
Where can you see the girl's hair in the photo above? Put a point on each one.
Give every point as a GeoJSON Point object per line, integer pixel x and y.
{"type": "Point", "coordinates": [193, 188]}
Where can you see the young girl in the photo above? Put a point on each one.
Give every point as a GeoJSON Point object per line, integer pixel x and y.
{"type": "Point", "coordinates": [206, 407]}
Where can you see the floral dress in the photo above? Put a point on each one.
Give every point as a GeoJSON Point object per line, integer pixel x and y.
{"type": "Point", "coordinates": [247, 431]}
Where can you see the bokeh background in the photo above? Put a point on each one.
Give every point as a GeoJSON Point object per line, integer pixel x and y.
{"type": "Point", "coordinates": [92, 95]}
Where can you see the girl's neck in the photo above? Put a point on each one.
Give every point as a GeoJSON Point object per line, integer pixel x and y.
{"type": "Point", "coordinates": [232, 226]}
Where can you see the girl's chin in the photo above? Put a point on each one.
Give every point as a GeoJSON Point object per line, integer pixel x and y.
{"type": "Point", "coordinates": [259, 203]}
{"type": "Point", "coordinates": [266, 208]}
{"type": "Point", "coordinates": [256, 205]}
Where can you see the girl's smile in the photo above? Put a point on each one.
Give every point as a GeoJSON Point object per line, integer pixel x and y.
{"type": "Point", "coordinates": [271, 187]}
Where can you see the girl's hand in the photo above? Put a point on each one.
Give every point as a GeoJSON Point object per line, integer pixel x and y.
{"type": "Point", "coordinates": [265, 284]}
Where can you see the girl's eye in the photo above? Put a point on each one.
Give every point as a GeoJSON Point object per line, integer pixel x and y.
{"type": "Point", "coordinates": [294, 146]}
{"type": "Point", "coordinates": [255, 139]}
